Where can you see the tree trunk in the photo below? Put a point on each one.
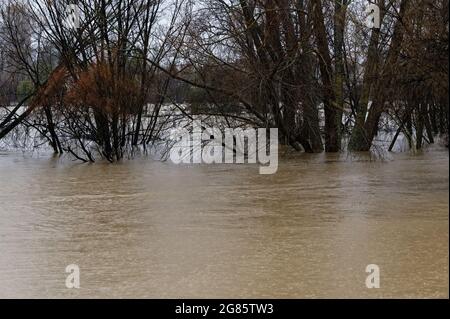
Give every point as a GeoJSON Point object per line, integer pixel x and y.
{"type": "Point", "coordinates": [56, 145]}
{"type": "Point", "coordinates": [358, 140]}
{"type": "Point", "coordinates": [329, 99]}
{"type": "Point", "coordinates": [384, 83]}
{"type": "Point", "coordinates": [339, 27]}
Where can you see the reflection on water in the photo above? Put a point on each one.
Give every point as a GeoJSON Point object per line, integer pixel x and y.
{"type": "Point", "coordinates": [149, 229]}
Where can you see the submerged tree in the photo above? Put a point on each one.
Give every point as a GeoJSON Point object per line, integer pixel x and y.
{"type": "Point", "coordinates": [311, 68]}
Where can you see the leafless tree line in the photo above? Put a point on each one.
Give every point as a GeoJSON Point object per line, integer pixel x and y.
{"type": "Point", "coordinates": [311, 68]}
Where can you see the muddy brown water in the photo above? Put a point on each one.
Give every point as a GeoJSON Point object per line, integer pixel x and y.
{"type": "Point", "coordinates": [146, 229]}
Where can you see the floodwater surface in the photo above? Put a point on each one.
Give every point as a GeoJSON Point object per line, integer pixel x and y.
{"type": "Point", "coordinates": [146, 229]}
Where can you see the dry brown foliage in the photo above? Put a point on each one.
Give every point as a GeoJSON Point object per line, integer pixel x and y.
{"type": "Point", "coordinates": [102, 88]}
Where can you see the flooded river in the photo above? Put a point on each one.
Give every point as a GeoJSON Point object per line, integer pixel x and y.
{"type": "Point", "coordinates": [145, 229]}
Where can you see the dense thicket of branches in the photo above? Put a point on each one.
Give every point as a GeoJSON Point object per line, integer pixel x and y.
{"type": "Point", "coordinates": [311, 68]}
